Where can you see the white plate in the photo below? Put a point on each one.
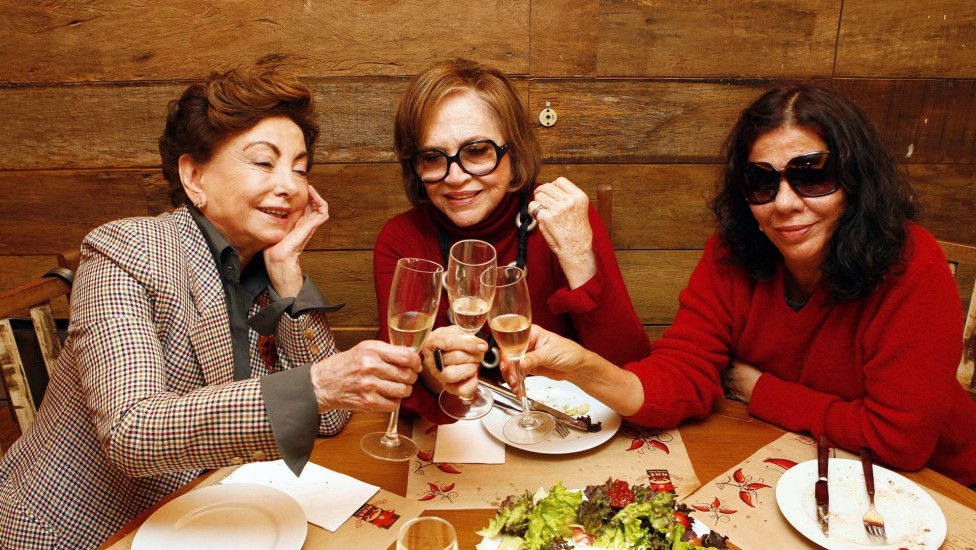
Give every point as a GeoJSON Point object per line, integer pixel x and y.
{"type": "Point", "coordinates": [558, 394]}
{"type": "Point", "coordinates": [912, 517]}
{"type": "Point", "coordinates": [234, 516]}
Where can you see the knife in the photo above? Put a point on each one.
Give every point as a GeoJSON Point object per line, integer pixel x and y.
{"type": "Point", "coordinates": [820, 491]}
{"type": "Point", "coordinates": [560, 416]}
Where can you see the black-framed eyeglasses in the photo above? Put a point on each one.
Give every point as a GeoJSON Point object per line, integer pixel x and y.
{"type": "Point", "coordinates": [809, 175]}
{"type": "Point", "coordinates": [478, 158]}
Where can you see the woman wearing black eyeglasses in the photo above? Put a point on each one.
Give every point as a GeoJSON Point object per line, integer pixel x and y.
{"type": "Point", "coordinates": [470, 162]}
{"type": "Point", "coordinates": [819, 302]}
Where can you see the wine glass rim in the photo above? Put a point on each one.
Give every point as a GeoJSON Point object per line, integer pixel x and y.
{"type": "Point", "coordinates": [436, 519]}
{"type": "Point", "coordinates": [420, 265]}
{"type": "Point", "coordinates": [491, 260]}
{"type": "Point", "coordinates": [494, 277]}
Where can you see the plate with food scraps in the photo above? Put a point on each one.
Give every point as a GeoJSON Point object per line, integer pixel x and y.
{"type": "Point", "coordinates": [607, 516]}
{"type": "Point", "coordinates": [568, 398]}
{"type": "Point", "coordinates": [912, 518]}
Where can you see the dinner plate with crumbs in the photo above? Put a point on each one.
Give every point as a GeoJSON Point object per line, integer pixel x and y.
{"type": "Point", "coordinates": [232, 516]}
{"type": "Point", "coordinates": [912, 518]}
{"type": "Point", "coordinates": [562, 396]}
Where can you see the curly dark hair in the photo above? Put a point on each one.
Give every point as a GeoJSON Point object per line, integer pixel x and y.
{"type": "Point", "coordinates": [870, 234]}
{"type": "Point", "coordinates": [212, 110]}
{"type": "Point", "coordinates": [424, 94]}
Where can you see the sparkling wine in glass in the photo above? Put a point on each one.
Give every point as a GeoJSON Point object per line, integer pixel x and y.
{"type": "Point", "coordinates": [510, 319]}
{"type": "Point", "coordinates": [470, 298]}
{"type": "Point", "coordinates": [414, 298]}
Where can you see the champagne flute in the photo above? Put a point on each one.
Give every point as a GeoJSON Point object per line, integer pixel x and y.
{"type": "Point", "coordinates": [470, 298]}
{"type": "Point", "coordinates": [510, 319]}
{"type": "Point", "coordinates": [414, 297]}
{"type": "Point", "coordinates": [427, 533]}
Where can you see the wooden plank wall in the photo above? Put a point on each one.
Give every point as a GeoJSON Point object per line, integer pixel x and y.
{"type": "Point", "coordinates": [645, 92]}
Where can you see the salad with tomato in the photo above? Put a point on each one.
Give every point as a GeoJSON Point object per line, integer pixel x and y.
{"type": "Point", "coordinates": [611, 515]}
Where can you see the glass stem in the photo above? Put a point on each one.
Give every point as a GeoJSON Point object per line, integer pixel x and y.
{"type": "Point", "coordinates": [390, 438]}
{"type": "Point", "coordinates": [521, 382]}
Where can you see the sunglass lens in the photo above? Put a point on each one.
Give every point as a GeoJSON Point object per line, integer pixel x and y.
{"type": "Point", "coordinates": [760, 183]}
{"type": "Point", "coordinates": [813, 175]}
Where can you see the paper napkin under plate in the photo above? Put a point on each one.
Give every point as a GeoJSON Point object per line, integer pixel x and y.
{"type": "Point", "coordinates": [328, 498]}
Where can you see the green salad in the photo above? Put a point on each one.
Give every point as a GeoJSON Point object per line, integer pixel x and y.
{"type": "Point", "coordinates": [610, 516]}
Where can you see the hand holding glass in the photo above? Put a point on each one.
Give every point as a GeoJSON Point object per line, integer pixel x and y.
{"type": "Point", "coordinates": [510, 319]}
{"type": "Point", "coordinates": [414, 298]}
{"type": "Point", "coordinates": [470, 298]}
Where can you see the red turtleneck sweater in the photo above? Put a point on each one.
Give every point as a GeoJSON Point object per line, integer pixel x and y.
{"type": "Point", "coordinates": [598, 314]}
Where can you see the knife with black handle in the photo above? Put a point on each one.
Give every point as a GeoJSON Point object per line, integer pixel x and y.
{"type": "Point", "coordinates": [820, 491]}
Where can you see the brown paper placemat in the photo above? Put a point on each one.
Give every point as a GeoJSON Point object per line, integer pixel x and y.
{"type": "Point", "coordinates": [741, 503]}
{"type": "Point", "coordinates": [375, 525]}
{"type": "Point", "coordinates": [633, 454]}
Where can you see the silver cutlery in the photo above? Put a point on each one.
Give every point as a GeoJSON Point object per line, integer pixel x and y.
{"type": "Point", "coordinates": [873, 522]}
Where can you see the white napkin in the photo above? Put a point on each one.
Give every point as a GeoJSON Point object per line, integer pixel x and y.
{"type": "Point", "coordinates": [467, 442]}
{"type": "Point", "coordinates": [328, 498]}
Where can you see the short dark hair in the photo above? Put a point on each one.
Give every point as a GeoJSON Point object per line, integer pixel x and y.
{"type": "Point", "coordinates": [423, 96]}
{"type": "Point", "coordinates": [224, 104]}
{"type": "Point", "coordinates": [870, 234]}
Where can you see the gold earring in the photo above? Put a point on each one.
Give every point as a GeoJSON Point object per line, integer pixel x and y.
{"type": "Point", "coordinates": [199, 205]}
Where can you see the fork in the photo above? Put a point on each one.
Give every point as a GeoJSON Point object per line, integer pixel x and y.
{"type": "Point", "coordinates": [873, 522]}
{"type": "Point", "coordinates": [561, 431]}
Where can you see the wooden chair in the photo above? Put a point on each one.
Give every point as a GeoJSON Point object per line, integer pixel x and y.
{"type": "Point", "coordinates": [965, 255]}
{"type": "Point", "coordinates": [33, 298]}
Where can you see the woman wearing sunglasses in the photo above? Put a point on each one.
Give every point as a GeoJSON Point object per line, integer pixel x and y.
{"type": "Point", "coordinates": [470, 161]}
{"type": "Point", "coordinates": [819, 302]}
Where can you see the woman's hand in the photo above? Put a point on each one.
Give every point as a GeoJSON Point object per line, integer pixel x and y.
{"type": "Point", "coordinates": [281, 260]}
{"type": "Point", "coordinates": [372, 376]}
{"type": "Point", "coordinates": [739, 379]}
{"type": "Point", "coordinates": [461, 355]}
{"type": "Point", "coordinates": [549, 355]}
{"type": "Point", "coordinates": [562, 211]}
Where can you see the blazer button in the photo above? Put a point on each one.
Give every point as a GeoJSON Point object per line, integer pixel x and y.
{"type": "Point", "coordinates": [310, 333]}
{"type": "Point", "coordinates": [259, 455]}
{"type": "Point", "coordinates": [314, 349]}
{"type": "Point", "coordinates": [237, 460]}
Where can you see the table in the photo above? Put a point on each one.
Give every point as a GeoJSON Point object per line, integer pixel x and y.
{"type": "Point", "coordinates": [714, 444]}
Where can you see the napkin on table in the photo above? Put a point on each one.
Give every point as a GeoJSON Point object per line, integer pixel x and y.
{"type": "Point", "coordinates": [327, 497]}
{"type": "Point", "coordinates": [467, 442]}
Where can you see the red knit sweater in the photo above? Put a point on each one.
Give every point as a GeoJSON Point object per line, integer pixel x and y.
{"type": "Point", "coordinates": [598, 314]}
{"type": "Point", "coordinates": [877, 372]}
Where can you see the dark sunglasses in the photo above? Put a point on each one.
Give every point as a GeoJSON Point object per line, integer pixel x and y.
{"type": "Point", "coordinates": [478, 158]}
{"type": "Point", "coordinates": [809, 175]}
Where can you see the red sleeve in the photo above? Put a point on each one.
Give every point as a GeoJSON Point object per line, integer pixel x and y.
{"type": "Point", "coordinates": [682, 375]}
{"type": "Point", "coordinates": [601, 309]}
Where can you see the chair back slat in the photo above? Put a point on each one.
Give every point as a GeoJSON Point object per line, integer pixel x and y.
{"type": "Point", "coordinates": [15, 378]}
{"type": "Point", "coordinates": [32, 299]}
{"type": "Point", "coordinates": [958, 255]}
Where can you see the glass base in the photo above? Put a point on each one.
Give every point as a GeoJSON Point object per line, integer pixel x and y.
{"type": "Point", "coordinates": [378, 445]}
{"type": "Point", "coordinates": [529, 428]}
{"type": "Point", "coordinates": [458, 407]}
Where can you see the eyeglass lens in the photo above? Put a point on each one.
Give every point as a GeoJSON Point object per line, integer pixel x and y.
{"type": "Point", "coordinates": [810, 175]}
{"type": "Point", "coordinates": [478, 158]}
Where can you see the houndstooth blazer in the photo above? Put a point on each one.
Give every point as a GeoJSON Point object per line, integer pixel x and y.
{"type": "Point", "coordinates": [143, 396]}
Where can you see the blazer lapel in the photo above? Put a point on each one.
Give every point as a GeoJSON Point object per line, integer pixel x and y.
{"type": "Point", "coordinates": [210, 336]}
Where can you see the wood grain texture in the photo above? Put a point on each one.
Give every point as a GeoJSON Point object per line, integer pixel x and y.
{"type": "Point", "coordinates": [118, 40]}
{"type": "Point", "coordinates": [924, 121]}
{"type": "Point", "coordinates": [55, 210]}
{"type": "Point", "coordinates": [769, 39]}
{"type": "Point", "coordinates": [637, 121]}
{"type": "Point", "coordinates": [564, 38]}
{"type": "Point", "coordinates": [907, 39]}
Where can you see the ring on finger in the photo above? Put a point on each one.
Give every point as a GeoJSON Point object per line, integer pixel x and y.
{"type": "Point", "coordinates": [535, 211]}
